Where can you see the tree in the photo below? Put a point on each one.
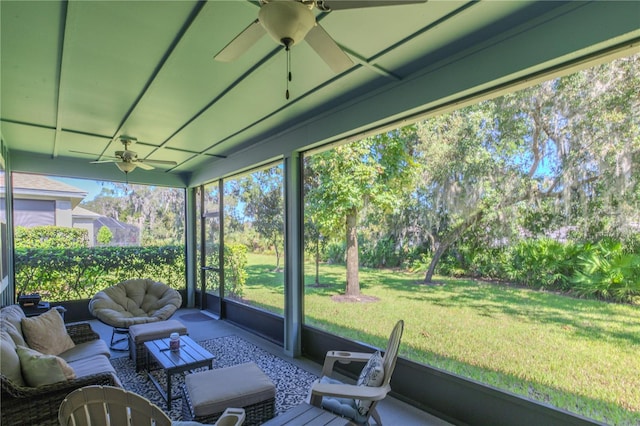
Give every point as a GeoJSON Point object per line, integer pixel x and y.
{"type": "Point", "coordinates": [262, 192]}
{"type": "Point", "coordinates": [568, 142]}
{"type": "Point", "coordinates": [372, 172]}
{"type": "Point", "coordinates": [104, 236]}
{"type": "Point", "coordinates": [158, 212]}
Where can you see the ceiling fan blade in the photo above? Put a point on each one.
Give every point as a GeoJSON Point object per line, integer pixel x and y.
{"type": "Point", "coordinates": [241, 43]}
{"type": "Point", "coordinates": [327, 5]}
{"type": "Point", "coordinates": [328, 49]}
{"type": "Point", "coordinates": [82, 152]}
{"type": "Point", "coordinates": [103, 161]}
{"type": "Point", "coordinates": [143, 166]}
{"type": "Point", "coordinates": [168, 163]}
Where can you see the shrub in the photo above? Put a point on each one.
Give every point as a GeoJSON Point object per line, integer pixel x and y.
{"type": "Point", "coordinates": [235, 264]}
{"type": "Point", "coordinates": [104, 236]}
{"type": "Point", "coordinates": [336, 253]}
{"type": "Point", "coordinates": [383, 253]}
{"type": "Point", "coordinates": [77, 273]}
{"type": "Point", "coordinates": [50, 237]}
{"type": "Point", "coordinates": [542, 263]}
{"type": "Point", "coordinates": [608, 272]}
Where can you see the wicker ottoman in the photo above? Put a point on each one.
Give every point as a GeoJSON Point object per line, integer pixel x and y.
{"type": "Point", "coordinates": [208, 393]}
{"type": "Point", "coordinates": [140, 333]}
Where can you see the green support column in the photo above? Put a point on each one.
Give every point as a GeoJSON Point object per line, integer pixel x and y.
{"type": "Point", "coordinates": [294, 248]}
{"type": "Point", "coordinates": [190, 245]}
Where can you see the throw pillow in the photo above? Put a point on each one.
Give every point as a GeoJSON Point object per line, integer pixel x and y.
{"type": "Point", "coordinates": [46, 333]}
{"type": "Point", "coordinates": [39, 369]}
{"type": "Point", "coordinates": [372, 375]}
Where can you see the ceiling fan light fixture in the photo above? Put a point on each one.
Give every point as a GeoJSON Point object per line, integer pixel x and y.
{"type": "Point", "coordinates": [126, 167]}
{"type": "Point", "coordinates": [287, 22]}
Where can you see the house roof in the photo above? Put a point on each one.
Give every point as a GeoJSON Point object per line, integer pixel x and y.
{"type": "Point", "coordinates": [24, 181]}
{"type": "Point", "coordinates": [80, 212]}
{"type": "Point", "coordinates": [36, 187]}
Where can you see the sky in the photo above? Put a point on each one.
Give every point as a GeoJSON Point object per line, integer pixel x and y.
{"type": "Point", "coordinates": [93, 187]}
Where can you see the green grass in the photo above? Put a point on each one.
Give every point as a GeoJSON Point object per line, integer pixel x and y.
{"type": "Point", "coordinates": [579, 355]}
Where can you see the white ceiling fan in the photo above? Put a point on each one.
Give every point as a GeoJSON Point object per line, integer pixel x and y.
{"type": "Point", "coordinates": [128, 160]}
{"type": "Point", "coordinates": [290, 21]}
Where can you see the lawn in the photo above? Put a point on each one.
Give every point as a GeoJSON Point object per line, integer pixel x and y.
{"type": "Point", "coordinates": [579, 355]}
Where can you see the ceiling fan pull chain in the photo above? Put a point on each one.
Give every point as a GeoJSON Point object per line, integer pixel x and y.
{"type": "Point", "coordinates": [286, 95]}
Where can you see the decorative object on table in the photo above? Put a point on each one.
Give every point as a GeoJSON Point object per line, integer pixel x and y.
{"type": "Point", "coordinates": [24, 403]}
{"type": "Point", "coordinates": [292, 382]}
{"type": "Point", "coordinates": [174, 342]}
{"type": "Point", "coordinates": [133, 302]}
{"type": "Point", "coordinates": [353, 401]}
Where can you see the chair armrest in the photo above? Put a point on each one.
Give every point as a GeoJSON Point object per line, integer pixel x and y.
{"type": "Point", "coordinates": [11, 388]}
{"type": "Point", "coordinates": [369, 393]}
{"type": "Point", "coordinates": [81, 333]}
{"type": "Point", "coordinates": [25, 405]}
{"type": "Point", "coordinates": [343, 357]}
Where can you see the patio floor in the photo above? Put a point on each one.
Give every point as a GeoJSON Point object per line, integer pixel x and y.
{"type": "Point", "coordinates": [392, 411]}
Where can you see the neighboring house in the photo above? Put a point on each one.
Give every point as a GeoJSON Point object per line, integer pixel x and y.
{"type": "Point", "coordinates": [85, 219]}
{"type": "Point", "coordinates": [39, 200]}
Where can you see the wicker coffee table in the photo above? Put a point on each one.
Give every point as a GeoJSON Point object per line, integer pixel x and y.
{"type": "Point", "coordinates": [189, 357]}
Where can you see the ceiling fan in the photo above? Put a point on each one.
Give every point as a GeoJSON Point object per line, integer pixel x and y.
{"type": "Point", "coordinates": [128, 160]}
{"type": "Point", "coordinates": [290, 21]}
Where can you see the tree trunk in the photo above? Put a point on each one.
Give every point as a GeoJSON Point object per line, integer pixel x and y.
{"type": "Point", "coordinates": [455, 234]}
{"type": "Point", "coordinates": [275, 246]}
{"type": "Point", "coordinates": [353, 282]}
{"type": "Point", "coordinates": [317, 262]}
{"type": "Point", "coordinates": [437, 254]}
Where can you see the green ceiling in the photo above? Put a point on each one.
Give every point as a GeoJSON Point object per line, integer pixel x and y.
{"type": "Point", "coordinates": [76, 75]}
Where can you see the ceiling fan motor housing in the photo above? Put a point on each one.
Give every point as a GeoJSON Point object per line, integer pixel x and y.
{"type": "Point", "coordinates": [287, 22]}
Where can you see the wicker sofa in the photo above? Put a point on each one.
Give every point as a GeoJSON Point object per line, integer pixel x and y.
{"type": "Point", "coordinates": [25, 405]}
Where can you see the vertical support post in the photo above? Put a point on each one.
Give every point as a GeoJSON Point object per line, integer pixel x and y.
{"type": "Point", "coordinates": [294, 255]}
{"type": "Point", "coordinates": [223, 313]}
{"type": "Point", "coordinates": [190, 245]}
{"type": "Point", "coordinates": [8, 294]}
{"type": "Point", "coordinates": [203, 251]}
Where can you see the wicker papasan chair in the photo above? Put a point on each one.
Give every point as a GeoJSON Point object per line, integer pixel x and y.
{"type": "Point", "coordinates": [133, 302]}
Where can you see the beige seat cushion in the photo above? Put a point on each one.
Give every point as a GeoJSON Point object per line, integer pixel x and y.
{"type": "Point", "coordinates": [241, 385]}
{"type": "Point", "coordinates": [135, 302]}
{"type": "Point", "coordinates": [94, 365]}
{"type": "Point", "coordinates": [86, 350]}
{"type": "Point", "coordinates": [46, 333]}
{"type": "Point", "coordinates": [156, 330]}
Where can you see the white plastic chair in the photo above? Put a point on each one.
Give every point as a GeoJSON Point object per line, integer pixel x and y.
{"type": "Point", "coordinates": [342, 398]}
{"type": "Point", "coordinates": [112, 406]}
